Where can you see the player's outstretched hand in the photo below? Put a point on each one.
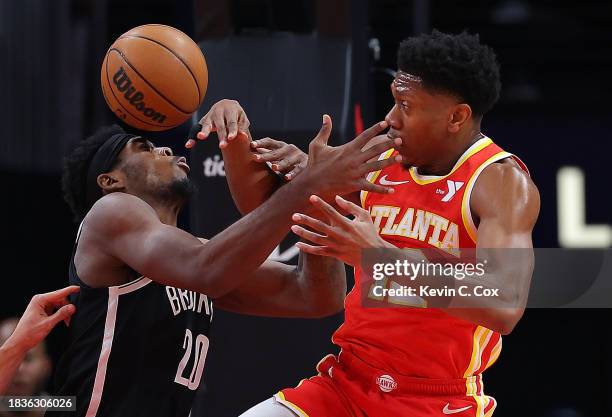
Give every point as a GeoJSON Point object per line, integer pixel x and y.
{"type": "Point", "coordinates": [343, 169]}
{"type": "Point", "coordinates": [340, 237]}
{"type": "Point", "coordinates": [42, 314]}
{"type": "Point", "coordinates": [226, 117]}
{"type": "Point", "coordinates": [284, 158]}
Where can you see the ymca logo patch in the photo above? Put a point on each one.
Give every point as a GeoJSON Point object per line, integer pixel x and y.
{"type": "Point", "coordinates": [453, 187]}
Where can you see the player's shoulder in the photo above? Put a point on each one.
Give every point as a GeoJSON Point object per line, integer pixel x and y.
{"type": "Point", "coordinates": [504, 183]}
{"type": "Point", "coordinates": [506, 175]}
{"type": "Point", "coordinates": [117, 211]}
{"type": "Point", "coordinates": [119, 204]}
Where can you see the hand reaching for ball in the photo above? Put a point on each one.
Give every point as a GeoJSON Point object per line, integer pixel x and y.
{"type": "Point", "coordinates": [227, 118]}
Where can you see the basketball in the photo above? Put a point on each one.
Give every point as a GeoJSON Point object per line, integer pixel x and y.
{"type": "Point", "coordinates": [154, 77]}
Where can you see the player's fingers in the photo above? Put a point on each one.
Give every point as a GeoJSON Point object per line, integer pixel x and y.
{"type": "Point", "coordinates": [192, 135]}
{"type": "Point", "coordinates": [294, 172]}
{"type": "Point", "coordinates": [262, 157]}
{"type": "Point", "coordinates": [375, 188]}
{"type": "Point", "coordinates": [314, 224]}
{"type": "Point", "coordinates": [268, 143]}
{"type": "Point", "coordinates": [203, 134]}
{"type": "Point", "coordinates": [379, 164]}
{"type": "Point", "coordinates": [352, 208]}
{"type": "Point", "coordinates": [368, 134]}
{"type": "Point", "coordinates": [206, 129]}
{"type": "Point", "coordinates": [328, 210]}
{"type": "Point", "coordinates": [243, 121]}
{"type": "Point", "coordinates": [261, 150]}
{"type": "Point", "coordinates": [272, 156]}
{"type": "Point", "coordinates": [309, 236]}
{"type": "Point", "coordinates": [379, 148]}
{"type": "Point", "coordinates": [206, 125]}
{"type": "Point", "coordinates": [232, 130]}
{"type": "Point", "coordinates": [323, 135]}
{"type": "Point", "coordinates": [59, 295]}
{"type": "Point", "coordinates": [219, 123]}
{"type": "Point", "coordinates": [314, 250]}
{"type": "Point", "coordinates": [63, 314]}
{"type": "Point", "coordinates": [255, 154]}
{"type": "Point", "coordinates": [51, 306]}
{"type": "Point", "coordinates": [288, 162]}
{"type": "Point", "coordinates": [231, 122]}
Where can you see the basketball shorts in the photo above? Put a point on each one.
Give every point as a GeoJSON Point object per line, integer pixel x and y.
{"type": "Point", "coordinates": [348, 387]}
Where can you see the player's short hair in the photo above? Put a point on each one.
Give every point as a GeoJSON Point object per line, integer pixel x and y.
{"type": "Point", "coordinates": [76, 165]}
{"type": "Point", "coordinates": [453, 63]}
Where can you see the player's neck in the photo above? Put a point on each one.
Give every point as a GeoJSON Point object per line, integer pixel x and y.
{"type": "Point", "coordinates": [167, 212]}
{"type": "Point", "coordinates": [448, 158]}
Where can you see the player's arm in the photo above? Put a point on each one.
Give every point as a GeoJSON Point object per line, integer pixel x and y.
{"type": "Point", "coordinates": [124, 227]}
{"type": "Point", "coordinates": [309, 289]}
{"type": "Point", "coordinates": [316, 287]}
{"type": "Point", "coordinates": [250, 179]}
{"type": "Point", "coordinates": [250, 182]}
{"type": "Point", "coordinates": [127, 229]}
{"type": "Point", "coordinates": [506, 203]}
{"type": "Point", "coordinates": [11, 356]}
{"type": "Point", "coordinates": [43, 313]}
{"type": "Point", "coordinates": [288, 160]}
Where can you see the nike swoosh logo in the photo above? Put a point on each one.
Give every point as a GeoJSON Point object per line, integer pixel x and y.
{"type": "Point", "coordinates": [447, 410]}
{"type": "Point", "coordinates": [384, 181]}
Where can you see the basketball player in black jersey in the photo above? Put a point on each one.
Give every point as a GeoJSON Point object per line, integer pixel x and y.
{"type": "Point", "coordinates": [139, 338]}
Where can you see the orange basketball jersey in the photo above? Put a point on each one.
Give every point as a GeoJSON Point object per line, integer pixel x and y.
{"type": "Point", "coordinates": [424, 212]}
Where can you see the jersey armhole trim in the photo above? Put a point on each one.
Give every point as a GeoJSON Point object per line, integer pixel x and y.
{"type": "Point", "coordinates": [466, 212]}
{"type": "Point", "coordinates": [131, 286]}
{"type": "Point", "coordinates": [280, 397]}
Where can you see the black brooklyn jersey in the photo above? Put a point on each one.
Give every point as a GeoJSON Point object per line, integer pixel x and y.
{"type": "Point", "coordinates": [136, 349]}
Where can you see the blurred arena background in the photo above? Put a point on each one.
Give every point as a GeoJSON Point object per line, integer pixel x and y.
{"type": "Point", "coordinates": [287, 63]}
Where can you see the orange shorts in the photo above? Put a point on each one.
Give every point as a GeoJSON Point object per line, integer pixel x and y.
{"type": "Point", "coordinates": [348, 387]}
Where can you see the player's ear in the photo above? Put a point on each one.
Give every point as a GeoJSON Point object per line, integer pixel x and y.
{"type": "Point", "coordinates": [460, 114]}
{"type": "Point", "coordinates": [111, 181]}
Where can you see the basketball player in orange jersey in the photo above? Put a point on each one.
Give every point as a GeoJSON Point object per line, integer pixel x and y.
{"type": "Point", "coordinates": [456, 189]}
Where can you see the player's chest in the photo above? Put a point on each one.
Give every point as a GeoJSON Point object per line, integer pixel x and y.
{"type": "Point", "coordinates": [419, 215]}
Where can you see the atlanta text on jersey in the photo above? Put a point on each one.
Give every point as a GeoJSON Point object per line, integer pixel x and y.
{"type": "Point", "coordinates": [417, 224]}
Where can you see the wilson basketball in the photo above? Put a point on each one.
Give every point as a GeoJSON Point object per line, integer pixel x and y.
{"type": "Point", "coordinates": [154, 77]}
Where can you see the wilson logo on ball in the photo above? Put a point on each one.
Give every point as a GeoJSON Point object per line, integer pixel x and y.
{"type": "Point", "coordinates": [135, 98]}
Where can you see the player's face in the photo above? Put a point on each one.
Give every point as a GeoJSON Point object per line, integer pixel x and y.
{"type": "Point", "coordinates": [152, 169]}
{"type": "Point", "coordinates": [420, 118]}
